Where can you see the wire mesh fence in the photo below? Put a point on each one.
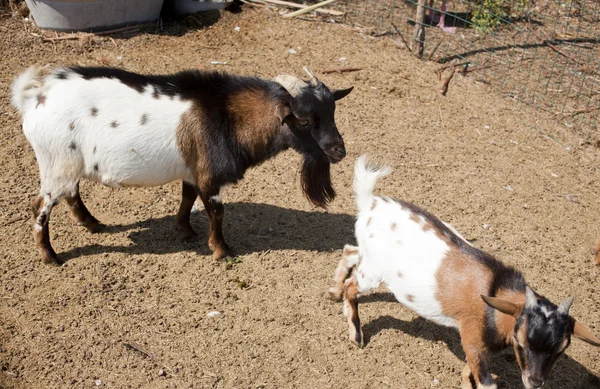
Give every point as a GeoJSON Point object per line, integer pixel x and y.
{"type": "Point", "coordinates": [544, 53]}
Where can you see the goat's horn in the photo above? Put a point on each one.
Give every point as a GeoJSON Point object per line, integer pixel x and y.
{"type": "Point", "coordinates": [530, 299]}
{"type": "Point", "coordinates": [313, 79]}
{"type": "Point", "coordinates": [292, 84]}
{"type": "Point", "coordinates": [565, 305]}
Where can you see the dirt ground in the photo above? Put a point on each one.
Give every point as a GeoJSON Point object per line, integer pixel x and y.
{"type": "Point", "coordinates": [527, 194]}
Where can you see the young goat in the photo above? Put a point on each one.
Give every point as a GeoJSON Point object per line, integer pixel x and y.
{"type": "Point", "coordinates": [434, 271]}
{"type": "Point", "coordinates": [205, 128]}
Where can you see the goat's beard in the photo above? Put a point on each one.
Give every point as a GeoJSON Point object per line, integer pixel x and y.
{"type": "Point", "coordinates": [316, 180]}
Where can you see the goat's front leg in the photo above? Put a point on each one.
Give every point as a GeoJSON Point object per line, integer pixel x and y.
{"type": "Point", "coordinates": [596, 251]}
{"type": "Point", "coordinates": [350, 258]}
{"type": "Point", "coordinates": [189, 193]}
{"type": "Point", "coordinates": [477, 364]}
{"type": "Point", "coordinates": [214, 208]}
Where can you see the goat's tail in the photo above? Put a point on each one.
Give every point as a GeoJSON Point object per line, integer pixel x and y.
{"type": "Point", "coordinates": [366, 174]}
{"type": "Point", "coordinates": [25, 86]}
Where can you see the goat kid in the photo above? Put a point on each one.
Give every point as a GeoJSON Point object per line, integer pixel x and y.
{"type": "Point", "coordinates": [124, 129]}
{"type": "Point", "coordinates": [434, 271]}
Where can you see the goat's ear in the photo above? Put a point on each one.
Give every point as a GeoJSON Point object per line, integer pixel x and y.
{"type": "Point", "coordinates": [341, 93]}
{"type": "Point", "coordinates": [582, 332]}
{"type": "Point", "coordinates": [503, 306]}
{"type": "Point", "coordinates": [282, 111]}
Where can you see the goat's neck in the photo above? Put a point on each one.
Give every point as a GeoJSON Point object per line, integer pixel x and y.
{"type": "Point", "coordinates": [505, 323]}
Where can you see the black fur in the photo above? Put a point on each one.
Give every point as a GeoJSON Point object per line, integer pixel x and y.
{"type": "Point", "coordinates": [316, 180]}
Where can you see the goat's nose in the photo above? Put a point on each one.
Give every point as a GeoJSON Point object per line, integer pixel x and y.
{"type": "Point", "coordinates": [340, 150]}
{"type": "Point", "coordinates": [536, 383]}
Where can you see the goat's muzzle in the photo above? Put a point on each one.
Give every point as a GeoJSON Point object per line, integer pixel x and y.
{"type": "Point", "coordinates": [335, 153]}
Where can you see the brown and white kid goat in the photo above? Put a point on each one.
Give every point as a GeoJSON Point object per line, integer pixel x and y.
{"type": "Point", "coordinates": [205, 128]}
{"type": "Point", "coordinates": [434, 271]}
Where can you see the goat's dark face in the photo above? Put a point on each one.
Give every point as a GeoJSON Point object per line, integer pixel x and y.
{"type": "Point", "coordinates": [313, 124]}
{"type": "Point", "coordinates": [309, 123]}
{"type": "Point", "coordinates": [541, 335]}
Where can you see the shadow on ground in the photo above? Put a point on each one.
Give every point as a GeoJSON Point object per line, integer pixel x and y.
{"type": "Point", "coordinates": [247, 228]}
{"type": "Point", "coordinates": [567, 373]}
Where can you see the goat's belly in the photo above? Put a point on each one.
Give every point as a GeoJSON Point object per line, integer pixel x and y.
{"type": "Point", "coordinates": [418, 293]}
{"type": "Point", "coordinates": [137, 167]}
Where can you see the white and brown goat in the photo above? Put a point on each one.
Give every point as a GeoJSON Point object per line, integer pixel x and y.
{"type": "Point", "coordinates": [434, 271]}
{"type": "Point", "coordinates": [205, 128]}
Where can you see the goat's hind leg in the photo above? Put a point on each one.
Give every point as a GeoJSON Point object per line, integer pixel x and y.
{"type": "Point", "coordinates": [350, 258]}
{"type": "Point", "coordinates": [351, 294]}
{"type": "Point", "coordinates": [42, 207]}
{"type": "Point", "coordinates": [84, 217]}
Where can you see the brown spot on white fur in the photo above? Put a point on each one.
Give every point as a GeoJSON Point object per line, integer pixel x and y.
{"type": "Point", "coordinates": [114, 124]}
{"type": "Point", "coordinates": [155, 94]}
{"type": "Point", "coordinates": [144, 119]}
{"type": "Point", "coordinates": [41, 99]}
{"type": "Point", "coordinates": [394, 226]}
{"type": "Point", "coordinates": [94, 111]}
{"type": "Point", "coordinates": [371, 236]}
{"type": "Point", "coordinates": [72, 146]}
{"type": "Point", "coordinates": [410, 297]}
{"type": "Point", "coordinates": [95, 148]}
{"type": "Point", "coordinates": [399, 275]}
{"type": "Point", "coordinates": [374, 204]}
{"type": "Point", "coordinates": [96, 168]}
{"type": "Point", "coordinates": [369, 220]}
{"type": "Point", "coordinates": [72, 126]}
{"type": "Point", "coordinates": [415, 218]}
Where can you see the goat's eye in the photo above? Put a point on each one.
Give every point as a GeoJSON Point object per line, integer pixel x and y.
{"type": "Point", "coordinates": [303, 122]}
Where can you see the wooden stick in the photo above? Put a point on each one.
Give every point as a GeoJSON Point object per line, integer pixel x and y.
{"type": "Point", "coordinates": [139, 349]}
{"type": "Point", "coordinates": [296, 5]}
{"type": "Point", "coordinates": [419, 32]}
{"type": "Point", "coordinates": [309, 9]}
{"type": "Point", "coordinates": [117, 30]}
{"type": "Point", "coordinates": [444, 89]}
{"type": "Point", "coordinates": [402, 37]}
{"type": "Point", "coordinates": [85, 35]}
{"type": "Point", "coordinates": [341, 70]}
{"type": "Point", "coordinates": [550, 45]}
{"type": "Point", "coordinates": [434, 50]}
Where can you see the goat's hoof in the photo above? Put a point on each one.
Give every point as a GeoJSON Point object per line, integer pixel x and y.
{"type": "Point", "coordinates": [50, 258]}
{"type": "Point", "coordinates": [186, 233]}
{"type": "Point", "coordinates": [220, 254]}
{"type": "Point", "coordinates": [95, 227]}
{"type": "Point", "coordinates": [357, 338]}
{"type": "Point", "coordinates": [335, 294]}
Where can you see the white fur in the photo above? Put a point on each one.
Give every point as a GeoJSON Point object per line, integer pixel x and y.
{"type": "Point", "coordinates": [130, 154]}
{"type": "Point", "coordinates": [406, 249]}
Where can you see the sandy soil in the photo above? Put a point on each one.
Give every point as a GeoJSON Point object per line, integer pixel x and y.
{"type": "Point", "coordinates": [527, 195]}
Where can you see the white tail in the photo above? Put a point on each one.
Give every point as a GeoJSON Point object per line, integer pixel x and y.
{"type": "Point", "coordinates": [25, 86]}
{"type": "Point", "coordinates": [366, 174]}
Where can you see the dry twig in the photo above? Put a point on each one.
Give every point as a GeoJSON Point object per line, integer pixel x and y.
{"type": "Point", "coordinates": [341, 70]}
{"type": "Point", "coordinates": [444, 89]}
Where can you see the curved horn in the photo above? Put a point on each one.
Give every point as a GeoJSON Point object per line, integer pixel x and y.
{"type": "Point", "coordinates": [292, 84]}
{"type": "Point", "coordinates": [530, 299]}
{"type": "Point", "coordinates": [564, 307]}
{"type": "Point", "coordinates": [313, 79]}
